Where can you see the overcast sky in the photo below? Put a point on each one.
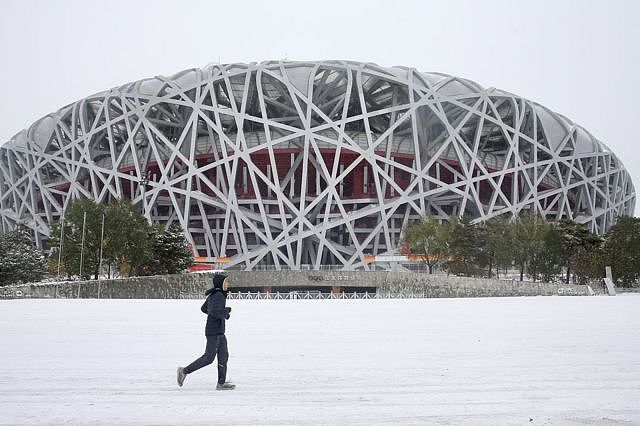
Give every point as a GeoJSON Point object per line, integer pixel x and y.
{"type": "Point", "coordinates": [579, 58]}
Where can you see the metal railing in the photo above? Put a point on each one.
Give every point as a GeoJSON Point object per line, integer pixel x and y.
{"type": "Point", "coordinates": [241, 267]}
{"type": "Point", "coordinates": [302, 295]}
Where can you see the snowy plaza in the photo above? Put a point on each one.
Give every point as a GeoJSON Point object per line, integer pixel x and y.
{"type": "Point", "coordinates": [528, 360]}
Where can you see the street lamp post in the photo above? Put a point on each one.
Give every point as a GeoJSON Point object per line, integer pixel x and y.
{"type": "Point", "coordinates": [101, 241]}
{"type": "Point", "coordinates": [84, 225]}
{"type": "Point", "coordinates": [61, 243]}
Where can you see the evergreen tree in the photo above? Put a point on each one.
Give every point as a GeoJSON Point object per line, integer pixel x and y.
{"type": "Point", "coordinates": [528, 231]}
{"type": "Point", "coordinates": [588, 264]}
{"type": "Point", "coordinates": [170, 250]}
{"type": "Point", "coordinates": [498, 242]}
{"type": "Point", "coordinates": [548, 263]}
{"type": "Point", "coordinates": [464, 250]}
{"type": "Point", "coordinates": [20, 259]}
{"type": "Point", "coordinates": [574, 236]}
{"type": "Point", "coordinates": [127, 244]}
{"type": "Point", "coordinates": [125, 241]}
{"type": "Point", "coordinates": [74, 250]}
{"type": "Point", "coordinates": [427, 237]}
{"type": "Point", "coordinates": [622, 248]}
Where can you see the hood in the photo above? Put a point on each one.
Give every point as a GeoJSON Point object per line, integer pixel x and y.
{"type": "Point", "coordinates": [218, 279]}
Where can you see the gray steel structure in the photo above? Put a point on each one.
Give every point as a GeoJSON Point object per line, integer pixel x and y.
{"type": "Point", "coordinates": [286, 163]}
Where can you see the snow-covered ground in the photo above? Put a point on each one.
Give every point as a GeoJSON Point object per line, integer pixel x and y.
{"type": "Point", "coordinates": [536, 360]}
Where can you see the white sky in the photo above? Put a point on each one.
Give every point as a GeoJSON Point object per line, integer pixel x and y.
{"type": "Point", "coordinates": [579, 58]}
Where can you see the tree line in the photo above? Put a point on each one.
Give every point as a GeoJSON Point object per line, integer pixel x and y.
{"type": "Point", "coordinates": [536, 248]}
{"type": "Point", "coordinates": [116, 238]}
{"type": "Point", "coordinates": [94, 239]}
{"type": "Point", "coordinates": [20, 260]}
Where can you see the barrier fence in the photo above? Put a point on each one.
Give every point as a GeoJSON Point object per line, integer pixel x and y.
{"type": "Point", "coordinates": [311, 295]}
{"type": "Point", "coordinates": [303, 295]}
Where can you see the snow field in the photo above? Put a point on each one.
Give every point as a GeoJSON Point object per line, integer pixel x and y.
{"type": "Point", "coordinates": [529, 360]}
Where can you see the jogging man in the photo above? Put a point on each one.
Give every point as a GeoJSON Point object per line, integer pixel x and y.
{"type": "Point", "coordinates": [217, 313]}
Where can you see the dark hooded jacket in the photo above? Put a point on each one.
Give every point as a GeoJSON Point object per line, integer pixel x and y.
{"type": "Point", "coordinates": [215, 307]}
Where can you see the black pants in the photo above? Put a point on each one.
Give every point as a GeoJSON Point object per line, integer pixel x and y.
{"type": "Point", "coordinates": [216, 345]}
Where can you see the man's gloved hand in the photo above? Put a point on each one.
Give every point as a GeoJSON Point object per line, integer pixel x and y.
{"type": "Point", "coordinates": [228, 312]}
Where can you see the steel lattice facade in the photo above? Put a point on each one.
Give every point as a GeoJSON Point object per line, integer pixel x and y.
{"type": "Point", "coordinates": [309, 163]}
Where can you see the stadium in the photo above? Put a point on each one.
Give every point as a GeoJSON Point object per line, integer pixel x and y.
{"type": "Point", "coordinates": [286, 164]}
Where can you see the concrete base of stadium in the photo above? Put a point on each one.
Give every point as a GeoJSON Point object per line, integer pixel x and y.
{"type": "Point", "coordinates": [379, 284]}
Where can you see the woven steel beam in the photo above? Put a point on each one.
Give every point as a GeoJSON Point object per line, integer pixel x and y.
{"type": "Point", "coordinates": [286, 163]}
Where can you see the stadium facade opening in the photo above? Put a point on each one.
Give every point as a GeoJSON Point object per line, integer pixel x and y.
{"type": "Point", "coordinates": [288, 164]}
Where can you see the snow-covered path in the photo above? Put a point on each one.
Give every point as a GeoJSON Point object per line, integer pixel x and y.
{"type": "Point", "coordinates": [537, 360]}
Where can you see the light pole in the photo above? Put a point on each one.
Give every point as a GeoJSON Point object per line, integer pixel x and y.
{"type": "Point", "coordinates": [101, 240]}
{"type": "Point", "coordinates": [84, 225]}
{"type": "Point", "coordinates": [61, 243]}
